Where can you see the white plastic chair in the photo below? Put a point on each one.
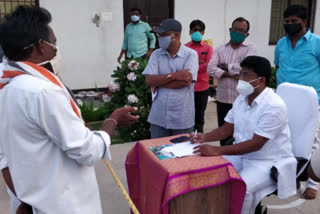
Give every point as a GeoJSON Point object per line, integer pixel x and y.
{"type": "Point", "coordinates": [302, 104]}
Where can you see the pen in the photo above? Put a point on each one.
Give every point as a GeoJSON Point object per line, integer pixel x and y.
{"type": "Point", "coordinates": [195, 134]}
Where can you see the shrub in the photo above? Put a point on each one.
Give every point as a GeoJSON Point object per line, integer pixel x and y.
{"type": "Point", "coordinates": [129, 89]}
{"type": "Point", "coordinates": [273, 79]}
{"type": "Point", "coordinates": [90, 113]}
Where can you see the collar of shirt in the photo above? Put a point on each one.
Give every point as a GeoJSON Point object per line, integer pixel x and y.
{"type": "Point", "coordinates": [258, 99]}
{"type": "Point", "coordinates": [179, 53]}
{"type": "Point", "coordinates": [139, 22]}
{"type": "Point", "coordinates": [306, 36]}
{"type": "Point", "coordinates": [244, 43]}
{"type": "Point", "coordinates": [192, 43]}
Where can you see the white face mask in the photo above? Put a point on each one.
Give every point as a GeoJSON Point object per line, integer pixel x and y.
{"type": "Point", "coordinates": [135, 18]}
{"type": "Point", "coordinates": [245, 88]}
{"type": "Point", "coordinates": [55, 62]}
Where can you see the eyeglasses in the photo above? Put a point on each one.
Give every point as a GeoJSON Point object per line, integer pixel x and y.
{"type": "Point", "coordinates": [238, 30]}
{"type": "Point", "coordinates": [32, 44]}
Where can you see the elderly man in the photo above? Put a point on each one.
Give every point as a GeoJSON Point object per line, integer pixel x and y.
{"type": "Point", "coordinates": [259, 123]}
{"type": "Point", "coordinates": [171, 71]}
{"type": "Point", "coordinates": [45, 144]}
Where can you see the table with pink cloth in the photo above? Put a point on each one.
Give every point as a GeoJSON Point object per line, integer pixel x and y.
{"type": "Point", "coordinates": [153, 183]}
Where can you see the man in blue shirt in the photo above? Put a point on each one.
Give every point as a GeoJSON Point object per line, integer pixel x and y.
{"type": "Point", "coordinates": [136, 36]}
{"type": "Point", "coordinates": [297, 57]}
{"type": "Point", "coordinates": [171, 71]}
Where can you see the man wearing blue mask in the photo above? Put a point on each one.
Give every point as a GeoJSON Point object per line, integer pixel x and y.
{"type": "Point", "coordinates": [225, 67]}
{"type": "Point", "coordinates": [201, 87]}
{"type": "Point", "coordinates": [171, 71]}
{"type": "Point", "coordinates": [136, 37]}
{"type": "Point", "coordinates": [297, 57]}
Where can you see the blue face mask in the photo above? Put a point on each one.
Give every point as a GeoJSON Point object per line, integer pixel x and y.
{"type": "Point", "coordinates": [135, 18]}
{"type": "Point", "coordinates": [196, 36]}
{"type": "Point", "coordinates": [164, 42]}
{"type": "Point", "coordinates": [237, 37]}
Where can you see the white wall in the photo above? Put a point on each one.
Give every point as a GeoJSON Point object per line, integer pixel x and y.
{"type": "Point", "coordinates": [89, 52]}
{"type": "Point", "coordinates": [218, 16]}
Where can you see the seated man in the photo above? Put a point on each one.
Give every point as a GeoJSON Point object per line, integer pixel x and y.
{"type": "Point", "coordinates": [314, 166]}
{"type": "Point", "coordinates": [259, 123]}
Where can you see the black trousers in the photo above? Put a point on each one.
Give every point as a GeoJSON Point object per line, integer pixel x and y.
{"type": "Point", "coordinates": [222, 111]}
{"type": "Point", "coordinates": [200, 103]}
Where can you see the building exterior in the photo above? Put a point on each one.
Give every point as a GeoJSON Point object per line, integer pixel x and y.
{"type": "Point", "coordinates": [89, 50]}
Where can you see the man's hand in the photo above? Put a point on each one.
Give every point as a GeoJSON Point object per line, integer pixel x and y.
{"type": "Point", "coordinates": [199, 138]}
{"type": "Point", "coordinates": [223, 66]}
{"type": "Point", "coordinates": [183, 75]}
{"type": "Point", "coordinates": [208, 150]}
{"type": "Point", "coordinates": [24, 209]}
{"type": "Point", "coordinates": [124, 117]}
{"type": "Point", "coordinates": [149, 52]}
{"type": "Point", "coordinates": [119, 58]}
{"type": "Point", "coordinates": [236, 77]}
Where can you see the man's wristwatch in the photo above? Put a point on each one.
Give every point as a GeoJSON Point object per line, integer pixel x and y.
{"type": "Point", "coordinates": [170, 76]}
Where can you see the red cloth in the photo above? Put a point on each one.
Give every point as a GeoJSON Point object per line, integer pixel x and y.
{"type": "Point", "coordinates": [153, 183]}
{"type": "Point", "coordinates": [205, 53]}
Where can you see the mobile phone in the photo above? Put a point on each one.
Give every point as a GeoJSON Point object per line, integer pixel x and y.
{"type": "Point", "coordinates": [180, 139]}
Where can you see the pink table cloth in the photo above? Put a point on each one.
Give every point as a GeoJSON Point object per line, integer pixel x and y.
{"type": "Point", "coordinates": [153, 183]}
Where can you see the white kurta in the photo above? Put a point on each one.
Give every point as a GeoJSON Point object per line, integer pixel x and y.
{"type": "Point", "coordinates": [267, 117]}
{"type": "Point", "coordinates": [50, 152]}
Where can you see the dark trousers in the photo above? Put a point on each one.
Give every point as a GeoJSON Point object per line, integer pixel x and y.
{"type": "Point", "coordinates": [158, 131]}
{"type": "Point", "coordinates": [141, 57]}
{"type": "Point", "coordinates": [222, 111]}
{"type": "Point", "coordinates": [200, 103]}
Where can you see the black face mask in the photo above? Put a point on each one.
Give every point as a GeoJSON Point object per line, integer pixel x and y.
{"type": "Point", "coordinates": [292, 29]}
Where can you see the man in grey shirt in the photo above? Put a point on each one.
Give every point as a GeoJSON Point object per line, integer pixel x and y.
{"type": "Point", "coordinates": [171, 73]}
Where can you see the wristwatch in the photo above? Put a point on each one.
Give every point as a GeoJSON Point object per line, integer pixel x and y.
{"type": "Point", "coordinates": [170, 76]}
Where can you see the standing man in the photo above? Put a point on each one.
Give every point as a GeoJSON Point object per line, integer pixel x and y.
{"type": "Point", "coordinates": [46, 150]}
{"type": "Point", "coordinates": [201, 87]}
{"type": "Point", "coordinates": [171, 70]}
{"type": "Point", "coordinates": [136, 35]}
{"type": "Point", "coordinates": [297, 57]}
{"type": "Point", "coordinates": [225, 66]}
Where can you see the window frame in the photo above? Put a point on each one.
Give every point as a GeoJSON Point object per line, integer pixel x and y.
{"type": "Point", "coordinates": [311, 20]}
{"type": "Point", "coordinates": [36, 3]}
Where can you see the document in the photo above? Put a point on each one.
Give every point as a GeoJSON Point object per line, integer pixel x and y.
{"type": "Point", "coordinates": [181, 149]}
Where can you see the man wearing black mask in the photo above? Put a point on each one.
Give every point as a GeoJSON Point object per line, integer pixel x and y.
{"type": "Point", "coordinates": [297, 57]}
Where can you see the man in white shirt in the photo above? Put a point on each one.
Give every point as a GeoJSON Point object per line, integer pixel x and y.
{"type": "Point", "coordinates": [48, 150]}
{"type": "Point", "coordinates": [259, 123]}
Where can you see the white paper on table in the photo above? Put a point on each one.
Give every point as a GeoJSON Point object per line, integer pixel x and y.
{"type": "Point", "coordinates": [182, 149]}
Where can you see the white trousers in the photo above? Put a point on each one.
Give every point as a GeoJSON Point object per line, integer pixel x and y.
{"type": "Point", "coordinates": [256, 175]}
{"type": "Point", "coordinates": [14, 202]}
{"type": "Point", "coordinates": [311, 183]}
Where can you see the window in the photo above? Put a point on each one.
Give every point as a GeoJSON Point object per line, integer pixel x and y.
{"type": "Point", "coordinates": [7, 6]}
{"type": "Point", "coordinates": [276, 22]}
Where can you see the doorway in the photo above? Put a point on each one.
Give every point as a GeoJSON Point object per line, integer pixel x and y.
{"type": "Point", "coordinates": [153, 11]}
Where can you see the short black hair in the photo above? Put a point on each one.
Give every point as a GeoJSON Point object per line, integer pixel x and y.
{"type": "Point", "coordinates": [260, 65]}
{"type": "Point", "coordinates": [199, 23]}
{"type": "Point", "coordinates": [24, 26]}
{"type": "Point", "coordinates": [241, 19]}
{"type": "Point", "coordinates": [136, 9]}
{"type": "Point", "coordinates": [296, 10]}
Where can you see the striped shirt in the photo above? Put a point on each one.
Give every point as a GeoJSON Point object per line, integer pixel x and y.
{"type": "Point", "coordinates": [226, 91]}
